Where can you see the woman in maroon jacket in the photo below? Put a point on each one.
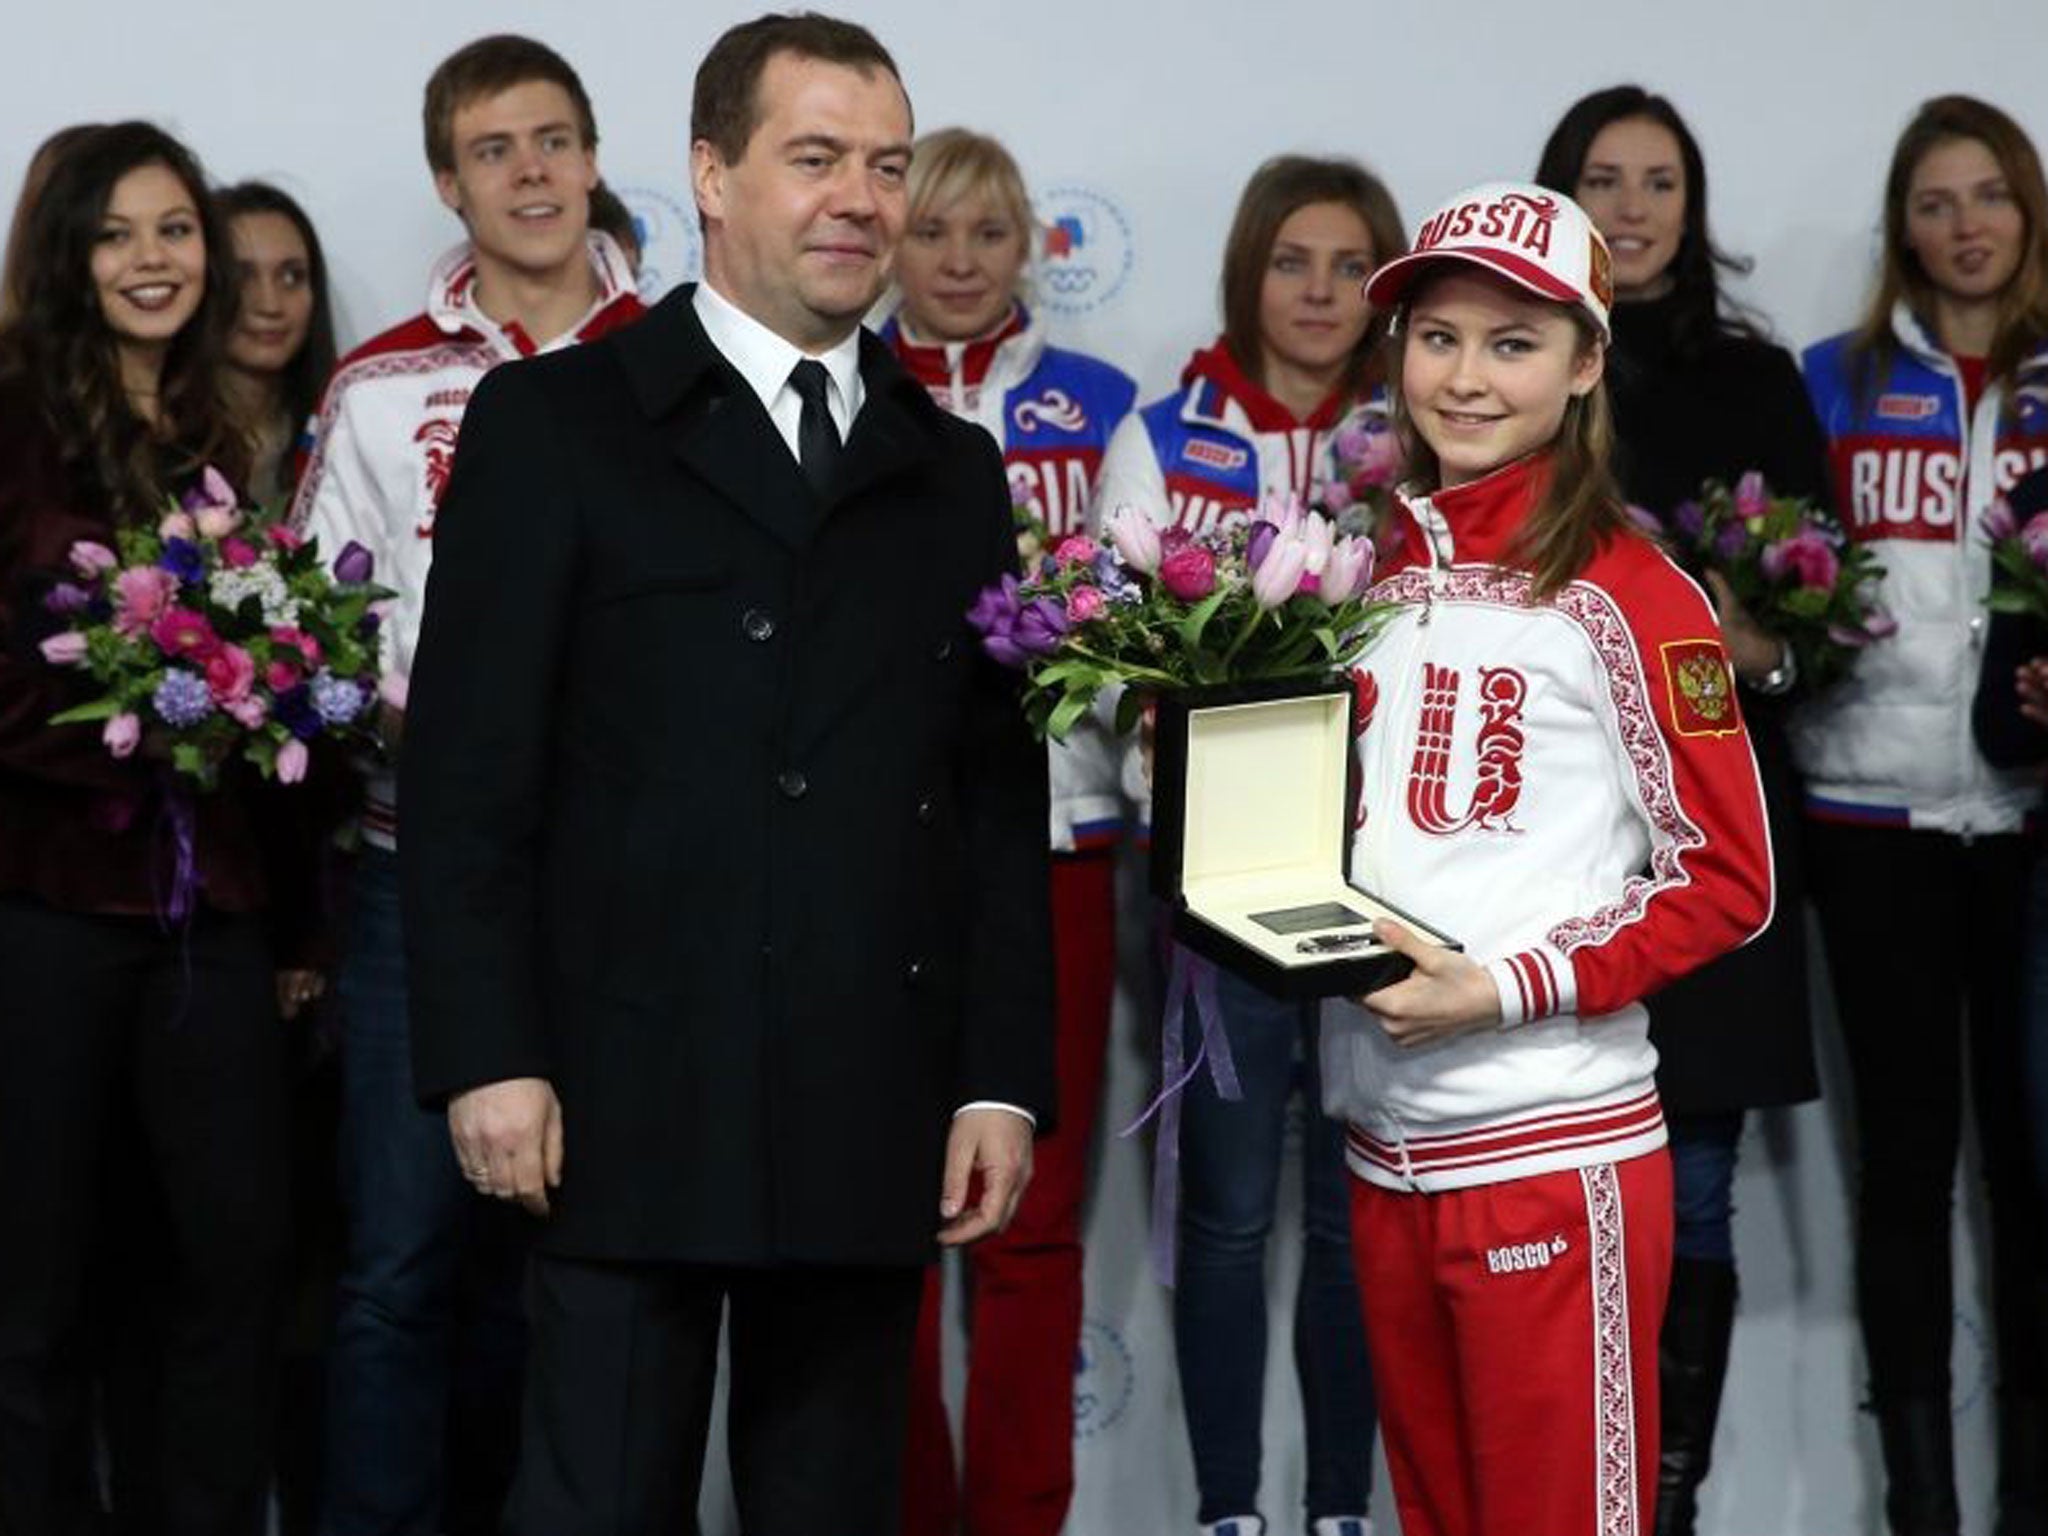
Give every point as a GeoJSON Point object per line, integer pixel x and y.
{"type": "Point", "coordinates": [143, 1054]}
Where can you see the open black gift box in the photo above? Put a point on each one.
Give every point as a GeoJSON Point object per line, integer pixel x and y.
{"type": "Point", "coordinates": [1252, 789]}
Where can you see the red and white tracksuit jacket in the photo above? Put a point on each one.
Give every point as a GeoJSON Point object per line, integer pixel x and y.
{"type": "Point", "coordinates": [382, 444]}
{"type": "Point", "coordinates": [1566, 787]}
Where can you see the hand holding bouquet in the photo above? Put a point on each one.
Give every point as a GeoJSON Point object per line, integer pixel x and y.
{"type": "Point", "coordinates": [1790, 565]}
{"type": "Point", "coordinates": [1279, 597]}
{"type": "Point", "coordinates": [218, 634]}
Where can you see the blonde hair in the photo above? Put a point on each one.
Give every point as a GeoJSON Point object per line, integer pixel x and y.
{"type": "Point", "coordinates": [1579, 507]}
{"type": "Point", "coordinates": [949, 164]}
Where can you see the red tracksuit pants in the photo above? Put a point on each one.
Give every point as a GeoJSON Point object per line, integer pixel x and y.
{"type": "Point", "coordinates": [1513, 1330]}
{"type": "Point", "coordinates": [1024, 1285]}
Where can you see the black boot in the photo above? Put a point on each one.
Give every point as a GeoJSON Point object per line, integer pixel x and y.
{"type": "Point", "coordinates": [2022, 1467]}
{"type": "Point", "coordinates": [1692, 1362]}
{"type": "Point", "coordinates": [1918, 1437]}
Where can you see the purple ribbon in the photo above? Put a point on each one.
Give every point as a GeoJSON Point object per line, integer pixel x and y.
{"type": "Point", "coordinates": [177, 820]}
{"type": "Point", "coordinates": [1188, 974]}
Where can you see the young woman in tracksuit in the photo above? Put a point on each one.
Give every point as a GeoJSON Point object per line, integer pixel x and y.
{"type": "Point", "coordinates": [1555, 770]}
{"type": "Point", "coordinates": [1255, 416]}
{"type": "Point", "coordinates": [965, 332]}
{"type": "Point", "coordinates": [1934, 407]}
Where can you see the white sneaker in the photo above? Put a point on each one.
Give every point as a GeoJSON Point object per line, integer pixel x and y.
{"type": "Point", "coordinates": [1341, 1525]}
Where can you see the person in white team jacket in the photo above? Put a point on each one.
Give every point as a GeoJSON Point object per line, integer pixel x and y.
{"type": "Point", "coordinates": [1555, 770]}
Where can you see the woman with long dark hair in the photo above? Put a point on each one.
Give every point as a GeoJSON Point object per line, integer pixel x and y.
{"type": "Point", "coordinates": [1699, 393]}
{"type": "Point", "coordinates": [143, 1051]}
{"type": "Point", "coordinates": [1933, 407]}
{"type": "Point", "coordinates": [280, 350]}
{"type": "Point", "coordinates": [1255, 416]}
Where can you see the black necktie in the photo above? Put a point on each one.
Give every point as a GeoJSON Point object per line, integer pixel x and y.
{"type": "Point", "coordinates": [817, 437]}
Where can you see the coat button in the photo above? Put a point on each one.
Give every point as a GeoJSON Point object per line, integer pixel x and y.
{"type": "Point", "coordinates": [758, 625]}
{"type": "Point", "coordinates": [943, 651]}
{"type": "Point", "coordinates": [792, 783]}
{"type": "Point", "coordinates": [927, 811]}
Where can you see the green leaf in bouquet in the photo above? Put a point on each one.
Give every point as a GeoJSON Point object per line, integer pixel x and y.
{"type": "Point", "coordinates": [1807, 602]}
{"type": "Point", "coordinates": [1068, 712]}
{"type": "Point", "coordinates": [2003, 599]}
{"type": "Point", "coordinates": [103, 708]}
{"type": "Point", "coordinates": [262, 751]}
{"type": "Point", "coordinates": [1198, 617]}
{"type": "Point", "coordinates": [190, 758]}
{"type": "Point", "coordinates": [1130, 709]}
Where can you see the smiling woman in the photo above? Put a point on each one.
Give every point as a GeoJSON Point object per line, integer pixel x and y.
{"type": "Point", "coordinates": [143, 1049]}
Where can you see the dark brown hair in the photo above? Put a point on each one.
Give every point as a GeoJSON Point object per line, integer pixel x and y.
{"type": "Point", "coordinates": [725, 108]}
{"type": "Point", "coordinates": [609, 215]}
{"type": "Point", "coordinates": [1276, 191]}
{"type": "Point", "coordinates": [1700, 310]}
{"type": "Point", "coordinates": [2023, 306]}
{"type": "Point", "coordinates": [485, 68]}
{"type": "Point", "coordinates": [1580, 506]}
{"type": "Point", "coordinates": [61, 349]}
{"type": "Point", "coordinates": [33, 180]}
{"type": "Point", "coordinates": [306, 374]}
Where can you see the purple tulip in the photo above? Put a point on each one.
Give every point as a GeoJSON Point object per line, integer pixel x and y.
{"type": "Point", "coordinates": [1690, 519]}
{"type": "Point", "coordinates": [2035, 537]}
{"type": "Point", "coordinates": [66, 597]}
{"type": "Point", "coordinates": [1731, 541]}
{"type": "Point", "coordinates": [1752, 496]}
{"type": "Point", "coordinates": [1258, 543]}
{"type": "Point", "coordinates": [1349, 570]}
{"type": "Point", "coordinates": [1040, 626]}
{"type": "Point", "coordinates": [354, 564]}
{"type": "Point", "coordinates": [1998, 521]}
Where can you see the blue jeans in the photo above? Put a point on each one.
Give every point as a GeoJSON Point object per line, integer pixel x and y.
{"type": "Point", "coordinates": [424, 1372]}
{"type": "Point", "coordinates": [1703, 1185]}
{"type": "Point", "coordinates": [1230, 1170]}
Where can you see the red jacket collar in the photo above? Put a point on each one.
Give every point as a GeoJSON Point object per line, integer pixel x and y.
{"type": "Point", "coordinates": [1266, 414]}
{"type": "Point", "coordinates": [930, 365]}
{"type": "Point", "coordinates": [1481, 517]}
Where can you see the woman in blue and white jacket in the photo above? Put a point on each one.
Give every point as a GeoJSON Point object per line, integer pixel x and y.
{"type": "Point", "coordinates": [1933, 407]}
{"type": "Point", "coordinates": [1256, 415]}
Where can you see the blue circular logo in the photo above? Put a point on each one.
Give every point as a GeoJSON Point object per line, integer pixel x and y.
{"type": "Point", "coordinates": [1105, 1379]}
{"type": "Point", "coordinates": [671, 248]}
{"type": "Point", "coordinates": [1089, 251]}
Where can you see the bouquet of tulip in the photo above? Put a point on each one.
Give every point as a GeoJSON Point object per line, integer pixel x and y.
{"type": "Point", "coordinates": [1790, 565]}
{"type": "Point", "coordinates": [218, 634]}
{"type": "Point", "coordinates": [2019, 561]}
{"type": "Point", "coordinates": [1279, 597]}
{"type": "Point", "coordinates": [1367, 463]}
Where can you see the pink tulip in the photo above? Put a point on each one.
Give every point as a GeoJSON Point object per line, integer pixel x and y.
{"type": "Point", "coordinates": [1317, 538]}
{"type": "Point", "coordinates": [213, 493]}
{"type": "Point", "coordinates": [177, 525]}
{"type": "Point", "coordinates": [218, 522]}
{"type": "Point", "coordinates": [291, 761]}
{"type": "Point", "coordinates": [1752, 496]}
{"type": "Point", "coordinates": [1135, 538]}
{"type": "Point", "coordinates": [249, 711]}
{"type": "Point", "coordinates": [1283, 510]}
{"type": "Point", "coordinates": [64, 650]}
{"type": "Point", "coordinates": [1998, 521]}
{"type": "Point", "coordinates": [2035, 537]}
{"type": "Point", "coordinates": [1349, 570]}
{"type": "Point", "coordinates": [90, 559]}
{"type": "Point", "coordinates": [1279, 574]}
{"type": "Point", "coordinates": [121, 734]}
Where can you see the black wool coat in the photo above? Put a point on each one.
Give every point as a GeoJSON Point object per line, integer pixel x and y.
{"type": "Point", "coordinates": [1738, 1033]}
{"type": "Point", "coordinates": [716, 816]}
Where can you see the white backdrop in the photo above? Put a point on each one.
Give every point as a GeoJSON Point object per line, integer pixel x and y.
{"type": "Point", "coordinates": [1138, 124]}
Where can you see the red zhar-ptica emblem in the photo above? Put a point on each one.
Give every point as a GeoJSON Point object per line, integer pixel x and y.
{"type": "Point", "coordinates": [437, 436]}
{"type": "Point", "coordinates": [1497, 782]}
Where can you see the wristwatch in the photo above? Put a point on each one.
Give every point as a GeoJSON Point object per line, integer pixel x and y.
{"type": "Point", "coordinates": [1779, 679]}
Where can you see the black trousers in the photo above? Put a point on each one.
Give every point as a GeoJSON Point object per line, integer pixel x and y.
{"type": "Point", "coordinates": [116, 1035]}
{"type": "Point", "coordinates": [619, 1385]}
{"type": "Point", "coordinates": [1925, 934]}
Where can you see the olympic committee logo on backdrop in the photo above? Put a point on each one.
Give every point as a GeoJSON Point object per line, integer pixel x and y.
{"type": "Point", "coordinates": [671, 250]}
{"type": "Point", "coordinates": [1105, 1379]}
{"type": "Point", "coordinates": [1088, 253]}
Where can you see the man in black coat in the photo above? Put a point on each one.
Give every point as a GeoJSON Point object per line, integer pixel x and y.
{"type": "Point", "coordinates": [725, 874]}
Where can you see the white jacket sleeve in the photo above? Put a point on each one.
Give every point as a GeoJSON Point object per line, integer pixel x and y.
{"type": "Point", "coordinates": [340, 502]}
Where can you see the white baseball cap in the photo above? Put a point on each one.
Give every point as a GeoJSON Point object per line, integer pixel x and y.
{"type": "Point", "coordinates": [1536, 238]}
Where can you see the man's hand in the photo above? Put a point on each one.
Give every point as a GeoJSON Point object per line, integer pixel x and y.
{"type": "Point", "coordinates": [2031, 686]}
{"type": "Point", "coordinates": [1753, 650]}
{"type": "Point", "coordinates": [1446, 994]}
{"type": "Point", "coordinates": [508, 1139]}
{"type": "Point", "coordinates": [297, 990]}
{"type": "Point", "coordinates": [995, 1145]}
